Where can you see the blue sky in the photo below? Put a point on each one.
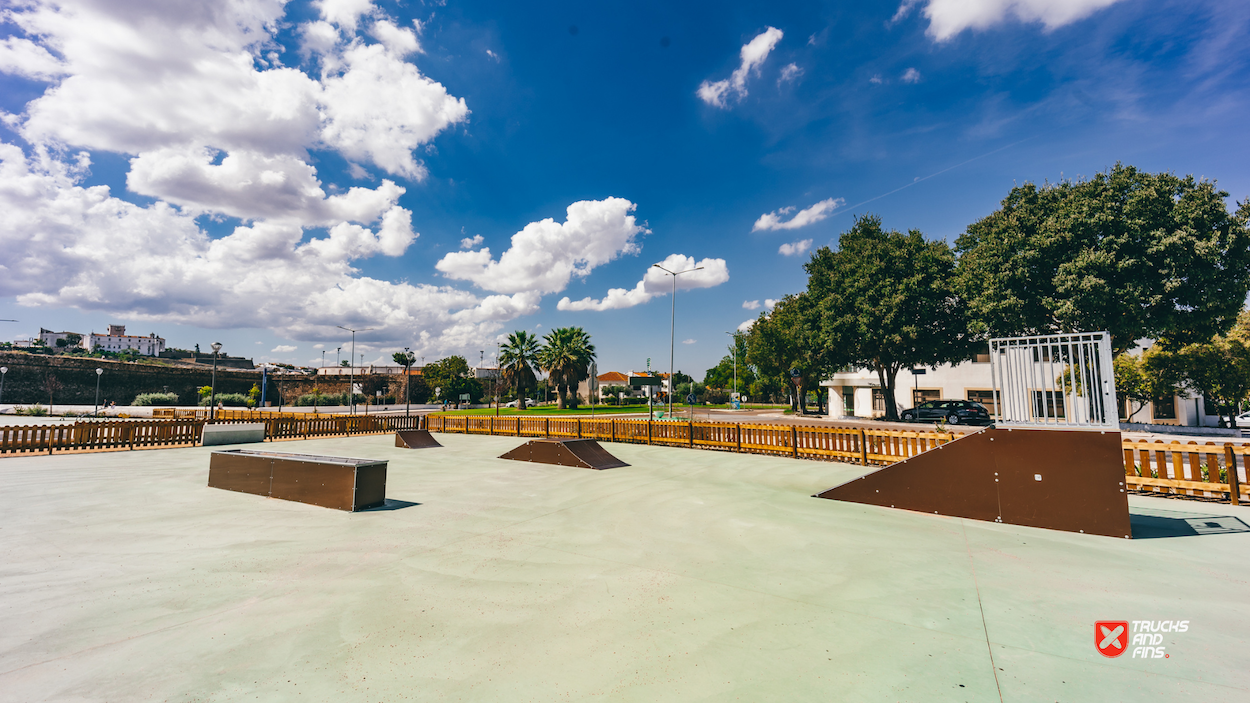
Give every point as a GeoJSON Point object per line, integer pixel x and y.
{"type": "Point", "coordinates": [230, 138]}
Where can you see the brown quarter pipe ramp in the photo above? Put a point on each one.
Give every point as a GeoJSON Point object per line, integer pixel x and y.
{"type": "Point", "coordinates": [1069, 480]}
{"type": "Point", "coordinates": [582, 453]}
{"type": "Point", "coordinates": [415, 439]}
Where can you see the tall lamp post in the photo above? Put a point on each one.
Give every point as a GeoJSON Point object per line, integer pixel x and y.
{"type": "Point", "coordinates": [4, 371]}
{"type": "Point", "coordinates": [672, 332]}
{"type": "Point", "coordinates": [351, 383]}
{"type": "Point", "coordinates": [98, 374]}
{"type": "Point", "coordinates": [212, 402]}
{"type": "Point", "coordinates": [734, 336]}
{"type": "Point", "coordinates": [408, 358]}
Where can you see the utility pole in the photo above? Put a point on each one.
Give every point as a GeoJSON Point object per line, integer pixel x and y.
{"type": "Point", "coordinates": [351, 383]}
{"type": "Point", "coordinates": [212, 401]}
{"type": "Point", "coordinates": [672, 333]}
{"type": "Point", "coordinates": [408, 382]}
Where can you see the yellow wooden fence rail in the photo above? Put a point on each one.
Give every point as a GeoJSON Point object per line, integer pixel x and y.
{"type": "Point", "coordinates": [1189, 468]}
{"type": "Point", "coordinates": [130, 434]}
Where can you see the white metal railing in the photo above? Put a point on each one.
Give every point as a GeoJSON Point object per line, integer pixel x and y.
{"type": "Point", "coordinates": [1063, 380]}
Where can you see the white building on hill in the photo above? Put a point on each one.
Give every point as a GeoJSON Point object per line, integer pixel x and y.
{"type": "Point", "coordinates": [118, 341]}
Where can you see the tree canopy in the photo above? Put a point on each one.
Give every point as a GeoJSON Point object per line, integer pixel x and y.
{"type": "Point", "coordinates": [565, 356]}
{"type": "Point", "coordinates": [1140, 255]}
{"type": "Point", "coordinates": [517, 358]}
{"type": "Point", "coordinates": [886, 302]}
{"type": "Point", "coordinates": [785, 344]}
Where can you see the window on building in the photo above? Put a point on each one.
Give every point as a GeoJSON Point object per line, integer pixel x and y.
{"type": "Point", "coordinates": [982, 356]}
{"type": "Point", "coordinates": [986, 398]}
{"type": "Point", "coordinates": [922, 395]}
{"type": "Point", "coordinates": [1208, 407]}
{"type": "Point", "coordinates": [878, 400]}
{"type": "Point", "coordinates": [1165, 408]}
{"type": "Point", "coordinates": [1048, 404]}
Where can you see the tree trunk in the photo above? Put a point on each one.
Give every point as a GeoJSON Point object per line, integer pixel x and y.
{"type": "Point", "coordinates": [887, 390]}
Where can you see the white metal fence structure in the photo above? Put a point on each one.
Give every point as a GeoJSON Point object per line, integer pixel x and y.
{"type": "Point", "coordinates": [1056, 380]}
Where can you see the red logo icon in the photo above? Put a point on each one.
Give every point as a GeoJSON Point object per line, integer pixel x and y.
{"type": "Point", "coordinates": [1111, 637]}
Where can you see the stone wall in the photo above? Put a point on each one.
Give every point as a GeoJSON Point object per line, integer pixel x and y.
{"type": "Point", "coordinates": [26, 381]}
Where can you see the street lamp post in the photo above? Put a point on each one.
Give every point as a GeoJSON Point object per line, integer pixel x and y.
{"type": "Point", "coordinates": [734, 336]}
{"type": "Point", "coordinates": [351, 383]}
{"type": "Point", "coordinates": [98, 374]}
{"type": "Point", "coordinates": [407, 382]}
{"type": "Point", "coordinates": [212, 401]}
{"type": "Point", "coordinates": [4, 371]}
{"type": "Point", "coordinates": [672, 332]}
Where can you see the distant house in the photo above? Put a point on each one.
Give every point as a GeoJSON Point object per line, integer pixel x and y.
{"type": "Point", "coordinates": [51, 338]}
{"type": "Point", "coordinates": [616, 378]}
{"type": "Point", "coordinates": [118, 341]}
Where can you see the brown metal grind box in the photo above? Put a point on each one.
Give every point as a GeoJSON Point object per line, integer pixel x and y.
{"type": "Point", "coordinates": [328, 481]}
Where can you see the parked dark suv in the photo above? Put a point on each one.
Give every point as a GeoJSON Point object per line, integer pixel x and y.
{"type": "Point", "coordinates": [952, 412]}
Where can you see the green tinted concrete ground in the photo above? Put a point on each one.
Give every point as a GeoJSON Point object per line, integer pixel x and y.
{"type": "Point", "coordinates": [690, 575]}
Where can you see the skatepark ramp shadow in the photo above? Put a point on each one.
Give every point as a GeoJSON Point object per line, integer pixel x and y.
{"type": "Point", "coordinates": [582, 453]}
{"type": "Point", "coordinates": [1155, 524]}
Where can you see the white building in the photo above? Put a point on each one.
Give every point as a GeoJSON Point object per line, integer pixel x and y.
{"type": "Point", "coordinates": [118, 341]}
{"type": "Point", "coordinates": [858, 394]}
{"type": "Point", "coordinates": [50, 338]}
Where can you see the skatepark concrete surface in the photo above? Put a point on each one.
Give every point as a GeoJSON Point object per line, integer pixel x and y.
{"type": "Point", "coordinates": [688, 576]}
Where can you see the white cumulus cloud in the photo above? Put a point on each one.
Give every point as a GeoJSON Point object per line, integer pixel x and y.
{"type": "Point", "coordinates": [911, 75]}
{"type": "Point", "coordinates": [655, 283]}
{"type": "Point", "coordinates": [545, 255]}
{"type": "Point", "coordinates": [687, 341]}
{"type": "Point", "coordinates": [470, 242]}
{"type": "Point", "coordinates": [750, 305]}
{"type": "Point", "coordinates": [752, 55]}
{"type": "Point", "coordinates": [283, 348]}
{"type": "Point", "coordinates": [948, 18]}
{"type": "Point", "coordinates": [795, 248]}
{"type": "Point", "coordinates": [196, 96]}
{"type": "Point", "coordinates": [746, 326]}
{"type": "Point", "coordinates": [805, 217]}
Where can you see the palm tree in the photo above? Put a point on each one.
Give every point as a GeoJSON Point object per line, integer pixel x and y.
{"type": "Point", "coordinates": [566, 356]}
{"type": "Point", "coordinates": [516, 360]}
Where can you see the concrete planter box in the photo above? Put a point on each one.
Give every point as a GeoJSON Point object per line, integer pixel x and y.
{"type": "Point", "coordinates": [235, 433]}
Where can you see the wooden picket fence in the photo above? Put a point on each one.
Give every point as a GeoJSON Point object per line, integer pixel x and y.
{"type": "Point", "coordinates": [1213, 471]}
{"type": "Point", "coordinates": [106, 435]}
{"type": "Point", "coordinates": [851, 444]}
{"type": "Point", "coordinates": [1208, 470]}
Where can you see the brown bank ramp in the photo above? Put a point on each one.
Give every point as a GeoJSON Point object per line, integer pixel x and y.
{"type": "Point", "coordinates": [1069, 480]}
{"type": "Point", "coordinates": [582, 453]}
{"type": "Point", "coordinates": [415, 439]}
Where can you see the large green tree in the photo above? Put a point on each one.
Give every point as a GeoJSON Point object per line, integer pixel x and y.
{"type": "Point", "coordinates": [722, 375]}
{"type": "Point", "coordinates": [517, 358]}
{"type": "Point", "coordinates": [565, 356]}
{"type": "Point", "coordinates": [1219, 368]}
{"type": "Point", "coordinates": [785, 345]}
{"type": "Point", "coordinates": [887, 303]}
{"type": "Point", "coordinates": [453, 378]}
{"type": "Point", "coordinates": [1134, 253]}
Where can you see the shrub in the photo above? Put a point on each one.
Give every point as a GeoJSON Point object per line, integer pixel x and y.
{"type": "Point", "coordinates": [229, 400]}
{"type": "Point", "coordinates": [36, 410]}
{"type": "Point", "coordinates": [156, 399]}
